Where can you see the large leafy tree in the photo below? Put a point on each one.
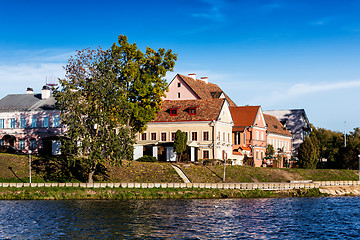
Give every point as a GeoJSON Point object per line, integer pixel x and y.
{"type": "Point", "coordinates": [308, 152]}
{"type": "Point", "coordinates": [106, 97]}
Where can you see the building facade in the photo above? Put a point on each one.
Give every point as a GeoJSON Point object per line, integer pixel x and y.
{"type": "Point", "coordinates": [249, 133]}
{"type": "Point", "coordinates": [207, 123]}
{"type": "Point", "coordinates": [281, 140]}
{"type": "Point", "coordinates": [296, 121]}
{"type": "Point", "coordinates": [30, 122]}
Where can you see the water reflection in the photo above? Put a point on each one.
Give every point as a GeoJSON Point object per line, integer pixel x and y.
{"type": "Point", "coordinates": [285, 218]}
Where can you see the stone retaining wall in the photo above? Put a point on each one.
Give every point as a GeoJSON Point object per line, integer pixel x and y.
{"type": "Point", "coordinates": [244, 186]}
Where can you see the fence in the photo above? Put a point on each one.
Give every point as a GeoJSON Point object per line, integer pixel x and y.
{"type": "Point", "coordinates": [243, 186]}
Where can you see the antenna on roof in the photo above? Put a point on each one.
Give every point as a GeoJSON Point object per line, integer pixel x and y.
{"type": "Point", "coordinates": [51, 81]}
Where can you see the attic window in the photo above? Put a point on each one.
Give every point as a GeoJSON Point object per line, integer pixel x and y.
{"type": "Point", "coordinates": [192, 111]}
{"type": "Point", "coordinates": [173, 111]}
{"type": "Point", "coordinates": [179, 84]}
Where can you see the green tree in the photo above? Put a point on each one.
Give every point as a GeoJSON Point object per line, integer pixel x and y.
{"type": "Point", "coordinates": [348, 156]}
{"type": "Point", "coordinates": [106, 97]}
{"type": "Point", "coordinates": [308, 152]}
{"type": "Point", "coordinates": [180, 144]}
{"type": "Point", "coordinates": [269, 151]}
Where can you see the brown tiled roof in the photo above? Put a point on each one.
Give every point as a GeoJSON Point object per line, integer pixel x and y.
{"type": "Point", "coordinates": [275, 126]}
{"type": "Point", "coordinates": [244, 116]}
{"type": "Point", "coordinates": [205, 90]}
{"type": "Point", "coordinates": [207, 110]}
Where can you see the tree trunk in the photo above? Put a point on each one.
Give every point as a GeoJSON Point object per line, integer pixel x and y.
{"type": "Point", "coordinates": [91, 173]}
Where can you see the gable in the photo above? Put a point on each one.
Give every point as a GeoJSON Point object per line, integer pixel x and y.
{"type": "Point", "coordinates": [225, 114]}
{"type": "Point", "coordinates": [259, 119]}
{"type": "Point", "coordinates": [178, 89]}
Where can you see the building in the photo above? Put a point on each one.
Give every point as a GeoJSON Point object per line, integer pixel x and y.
{"type": "Point", "coordinates": [208, 125]}
{"type": "Point", "coordinates": [281, 139]}
{"type": "Point", "coordinates": [30, 122]}
{"type": "Point", "coordinates": [249, 134]}
{"type": "Point", "coordinates": [296, 121]}
{"type": "Point", "coordinates": [189, 88]}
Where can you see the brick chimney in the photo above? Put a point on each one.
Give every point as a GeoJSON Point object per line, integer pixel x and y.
{"type": "Point", "coordinates": [29, 90]}
{"type": "Point", "coordinates": [45, 92]}
{"type": "Point", "coordinates": [205, 79]}
{"type": "Point", "coordinates": [192, 75]}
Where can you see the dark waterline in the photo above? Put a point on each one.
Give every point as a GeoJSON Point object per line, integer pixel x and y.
{"type": "Point", "coordinates": [267, 218]}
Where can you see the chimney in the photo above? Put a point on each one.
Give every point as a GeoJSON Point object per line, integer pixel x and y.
{"type": "Point", "coordinates": [192, 75]}
{"type": "Point", "coordinates": [45, 92]}
{"type": "Point", "coordinates": [205, 79]}
{"type": "Point", "coordinates": [29, 90]}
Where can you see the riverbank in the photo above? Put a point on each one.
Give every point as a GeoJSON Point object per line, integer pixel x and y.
{"type": "Point", "coordinates": [15, 169]}
{"type": "Point", "coordinates": [71, 193]}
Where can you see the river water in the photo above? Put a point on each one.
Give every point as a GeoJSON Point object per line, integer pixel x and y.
{"type": "Point", "coordinates": [265, 218]}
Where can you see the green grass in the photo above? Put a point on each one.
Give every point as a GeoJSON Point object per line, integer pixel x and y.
{"type": "Point", "coordinates": [62, 193]}
{"type": "Point", "coordinates": [134, 171]}
{"type": "Point", "coordinates": [214, 174]}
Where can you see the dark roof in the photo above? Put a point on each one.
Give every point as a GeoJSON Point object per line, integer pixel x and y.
{"type": "Point", "coordinates": [207, 110]}
{"type": "Point", "coordinates": [26, 102]}
{"type": "Point", "coordinates": [205, 90]}
{"type": "Point", "coordinates": [243, 116]}
{"type": "Point", "coordinates": [275, 126]}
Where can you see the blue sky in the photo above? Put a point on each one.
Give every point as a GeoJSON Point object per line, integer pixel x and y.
{"type": "Point", "coordinates": [281, 54]}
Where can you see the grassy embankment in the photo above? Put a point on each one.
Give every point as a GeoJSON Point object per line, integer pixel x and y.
{"type": "Point", "coordinates": [163, 172]}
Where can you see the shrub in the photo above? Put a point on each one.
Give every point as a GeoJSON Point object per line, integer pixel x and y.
{"type": "Point", "coordinates": [147, 158]}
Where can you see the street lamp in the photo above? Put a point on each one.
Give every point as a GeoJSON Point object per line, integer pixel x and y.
{"type": "Point", "coordinates": [359, 167]}
{"type": "Point", "coordinates": [30, 165]}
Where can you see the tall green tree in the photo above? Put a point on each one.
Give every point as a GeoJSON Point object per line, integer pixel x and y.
{"type": "Point", "coordinates": [106, 97]}
{"type": "Point", "coordinates": [308, 152]}
{"type": "Point", "coordinates": [180, 142]}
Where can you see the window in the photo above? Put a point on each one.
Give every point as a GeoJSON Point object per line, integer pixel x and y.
{"type": "Point", "coordinates": [173, 112]}
{"type": "Point", "coordinates": [32, 144]}
{"type": "Point", "coordinates": [257, 155]}
{"type": "Point", "coordinates": [163, 137]}
{"type": "Point", "coordinates": [45, 122]}
{"type": "Point", "coordinates": [12, 123]}
{"type": "Point", "coordinates": [56, 122]}
{"type": "Point", "coordinates": [179, 84]}
{"type": "Point", "coordinates": [153, 136]}
{"type": "Point", "coordinates": [257, 135]}
{"type": "Point", "coordinates": [224, 137]}
{"type": "Point", "coordinates": [192, 111]}
{"type": "Point", "coordinates": [206, 154]}
{"type": "Point", "coordinates": [218, 137]}
{"type": "Point", "coordinates": [229, 137]}
{"type": "Point", "coordinates": [2, 121]}
{"type": "Point", "coordinates": [194, 136]}
{"type": "Point", "coordinates": [22, 122]}
{"type": "Point", "coordinates": [34, 122]}
{"type": "Point", "coordinates": [1, 142]}
{"type": "Point", "coordinates": [262, 135]}
{"type": "Point", "coordinates": [205, 136]}
{"type": "Point", "coordinates": [22, 144]}
{"type": "Point", "coordinates": [173, 136]}
{"type": "Point", "coordinates": [178, 95]}
{"type": "Point", "coordinates": [143, 136]}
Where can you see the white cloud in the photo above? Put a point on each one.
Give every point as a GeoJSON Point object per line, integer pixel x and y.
{"type": "Point", "coordinates": [285, 92]}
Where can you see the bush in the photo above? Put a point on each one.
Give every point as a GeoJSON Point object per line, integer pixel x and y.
{"type": "Point", "coordinates": [147, 158]}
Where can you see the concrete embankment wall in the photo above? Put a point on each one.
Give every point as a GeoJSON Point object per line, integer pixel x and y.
{"type": "Point", "coordinates": [244, 186]}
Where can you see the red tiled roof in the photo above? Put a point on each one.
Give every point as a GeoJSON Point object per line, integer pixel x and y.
{"type": "Point", "coordinates": [275, 126]}
{"type": "Point", "coordinates": [205, 90]}
{"type": "Point", "coordinates": [244, 116]}
{"type": "Point", "coordinates": [207, 110]}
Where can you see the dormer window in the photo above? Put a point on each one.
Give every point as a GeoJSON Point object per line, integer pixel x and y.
{"type": "Point", "coordinates": [173, 111]}
{"type": "Point", "coordinates": [192, 111]}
